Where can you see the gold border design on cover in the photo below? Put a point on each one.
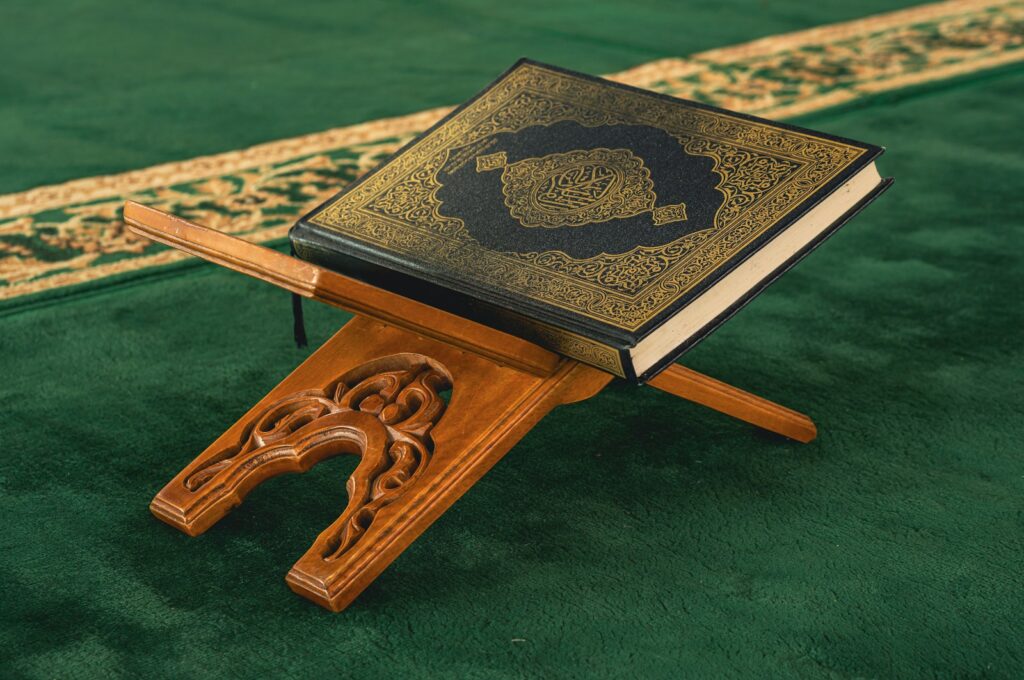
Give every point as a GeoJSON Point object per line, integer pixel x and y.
{"type": "Point", "coordinates": [71, 233]}
{"type": "Point", "coordinates": [397, 208]}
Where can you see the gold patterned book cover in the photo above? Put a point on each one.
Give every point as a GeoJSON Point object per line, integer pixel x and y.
{"type": "Point", "coordinates": [611, 224]}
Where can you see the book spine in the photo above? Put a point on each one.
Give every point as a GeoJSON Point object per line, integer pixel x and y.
{"type": "Point", "coordinates": [614, 360]}
{"type": "Point", "coordinates": [607, 356]}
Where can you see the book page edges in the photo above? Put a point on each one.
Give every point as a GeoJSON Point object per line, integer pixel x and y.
{"type": "Point", "coordinates": [759, 266]}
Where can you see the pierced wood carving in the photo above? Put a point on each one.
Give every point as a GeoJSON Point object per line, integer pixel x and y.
{"type": "Point", "coordinates": [382, 411]}
{"type": "Point", "coordinates": [388, 410]}
{"type": "Point", "coordinates": [387, 406]}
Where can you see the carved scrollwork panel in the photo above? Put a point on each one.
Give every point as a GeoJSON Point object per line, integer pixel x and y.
{"type": "Point", "coordinates": [383, 411]}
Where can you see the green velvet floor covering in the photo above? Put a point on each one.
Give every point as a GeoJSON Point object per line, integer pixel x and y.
{"type": "Point", "coordinates": [633, 535]}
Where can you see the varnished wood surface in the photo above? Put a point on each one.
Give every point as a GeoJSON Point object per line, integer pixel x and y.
{"type": "Point", "coordinates": [750, 408]}
{"type": "Point", "coordinates": [324, 285]}
{"type": "Point", "coordinates": [376, 389]}
{"type": "Point", "coordinates": [373, 390]}
{"type": "Point", "coordinates": [336, 289]}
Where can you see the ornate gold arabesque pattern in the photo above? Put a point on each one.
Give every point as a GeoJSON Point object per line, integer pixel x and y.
{"type": "Point", "coordinates": [70, 233]}
{"type": "Point", "coordinates": [573, 345]}
{"type": "Point", "coordinates": [629, 272]}
{"type": "Point", "coordinates": [765, 171]}
{"type": "Point", "coordinates": [577, 188]}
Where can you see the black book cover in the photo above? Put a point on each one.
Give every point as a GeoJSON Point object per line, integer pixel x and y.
{"type": "Point", "coordinates": [577, 212]}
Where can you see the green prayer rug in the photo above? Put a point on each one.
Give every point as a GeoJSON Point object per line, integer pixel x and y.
{"type": "Point", "coordinates": [661, 539]}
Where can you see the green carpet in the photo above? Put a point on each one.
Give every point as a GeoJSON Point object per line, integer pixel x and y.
{"type": "Point", "coordinates": [119, 84]}
{"type": "Point", "coordinates": [633, 535]}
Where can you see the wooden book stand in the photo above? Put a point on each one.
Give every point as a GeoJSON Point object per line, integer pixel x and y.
{"type": "Point", "coordinates": [428, 400]}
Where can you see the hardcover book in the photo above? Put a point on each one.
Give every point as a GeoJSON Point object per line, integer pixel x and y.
{"type": "Point", "coordinates": [610, 224]}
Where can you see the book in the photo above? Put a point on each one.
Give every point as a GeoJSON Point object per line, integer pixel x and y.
{"type": "Point", "coordinates": [610, 224]}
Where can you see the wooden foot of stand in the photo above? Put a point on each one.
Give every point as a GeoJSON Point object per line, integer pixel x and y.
{"type": "Point", "coordinates": [375, 391]}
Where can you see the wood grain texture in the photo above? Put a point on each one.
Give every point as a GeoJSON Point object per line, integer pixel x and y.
{"type": "Point", "coordinates": [336, 289]}
{"type": "Point", "coordinates": [342, 291]}
{"type": "Point", "coordinates": [348, 293]}
{"type": "Point", "coordinates": [375, 391]}
{"type": "Point", "coordinates": [732, 401]}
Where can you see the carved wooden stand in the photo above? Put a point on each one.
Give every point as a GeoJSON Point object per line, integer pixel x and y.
{"type": "Point", "coordinates": [378, 389]}
{"type": "Point", "coordinates": [375, 391]}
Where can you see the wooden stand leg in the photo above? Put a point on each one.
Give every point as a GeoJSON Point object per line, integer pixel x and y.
{"type": "Point", "coordinates": [378, 392]}
{"type": "Point", "coordinates": [375, 391]}
{"type": "Point", "coordinates": [732, 401]}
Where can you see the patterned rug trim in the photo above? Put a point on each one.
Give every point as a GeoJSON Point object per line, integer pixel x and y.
{"type": "Point", "coordinates": [71, 233]}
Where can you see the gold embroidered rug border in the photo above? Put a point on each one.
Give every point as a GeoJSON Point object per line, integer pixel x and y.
{"type": "Point", "coordinates": [257, 192]}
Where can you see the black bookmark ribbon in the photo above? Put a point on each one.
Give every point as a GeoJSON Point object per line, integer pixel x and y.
{"type": "Point", "coordinates": [298, 322]}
